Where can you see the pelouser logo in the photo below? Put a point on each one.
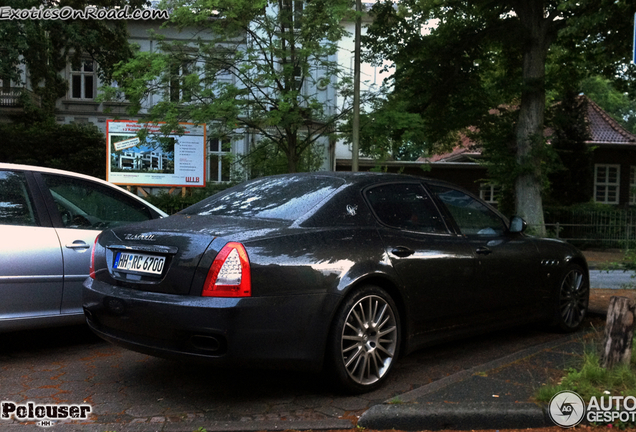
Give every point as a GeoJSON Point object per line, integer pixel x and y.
{"type": "Point", "coordinates": [566, 409]}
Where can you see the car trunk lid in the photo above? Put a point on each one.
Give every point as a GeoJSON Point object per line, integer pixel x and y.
{"type": "Point", "coordinates": [165, 255]}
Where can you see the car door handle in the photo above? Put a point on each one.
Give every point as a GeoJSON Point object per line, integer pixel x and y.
{"type": "Point", "coordinates": [402, 251]}
{"type": "Point", "coordinates": [78, 244]}
{"type": "Point", "coordinates": [483, 250]}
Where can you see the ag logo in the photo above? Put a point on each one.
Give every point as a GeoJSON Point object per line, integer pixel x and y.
{"type": "Point", "coordinates": [566, 409]}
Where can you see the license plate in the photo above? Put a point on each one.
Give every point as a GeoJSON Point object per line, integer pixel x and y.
{"type": "Point", "coordinates": [140, 263]}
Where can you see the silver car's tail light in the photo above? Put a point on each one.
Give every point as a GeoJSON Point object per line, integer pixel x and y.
{"type": "Point", "coordinates": [229, 275]}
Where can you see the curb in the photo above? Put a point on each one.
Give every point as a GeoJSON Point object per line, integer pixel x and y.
{"type": "Point", "coordinates": [406, 413]}
{"type": "Point", "coordinates": [461, 416]}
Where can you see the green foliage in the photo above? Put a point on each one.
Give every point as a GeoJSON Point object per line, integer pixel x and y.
{"type": "Point", "coordinates": [46, 47]}
{"type": "Point", "coordinates": [267, 159]}
{"type": "Point", "coordinates": [617, 104]}
{"type": "Point", "coordinates": [73, 147]}
{"type": "Point", "coordinates": [593, 380]}
{"type": "Point", "coordinates": [173, 203]}
{"type": "Point", "coordinates": [390, 132]}
{"type": "Point", "coordinates": [477, 56]}
{"type": "Point", "coordinates": [244, 71]}
{"type": "Point", "coordinates": [571, 182]}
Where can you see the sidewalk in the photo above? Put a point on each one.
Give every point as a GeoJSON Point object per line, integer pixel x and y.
{"type": "Point", "coordinates": [495, 395]}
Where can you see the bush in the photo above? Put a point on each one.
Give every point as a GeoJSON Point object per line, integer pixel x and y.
{"type": "Point", "coordinates": [173, 203]}
{"type": "Point", "coordinates": [73, 147]}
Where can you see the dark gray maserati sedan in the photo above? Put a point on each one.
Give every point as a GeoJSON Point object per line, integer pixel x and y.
{"type": "Point", "coordinates": [346, 271]}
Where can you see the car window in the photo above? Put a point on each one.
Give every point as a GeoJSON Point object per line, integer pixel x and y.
{"type": "Point", "coordinates": [405, 206]}
{"type": "Point", "coordinates": [87, 205]}
{"type": "Point", "coordinates": [16, 205]}
{"type": "Point", "coordinates": [472, 216]}
{"type": "Point", "coordinates": [286, 198]}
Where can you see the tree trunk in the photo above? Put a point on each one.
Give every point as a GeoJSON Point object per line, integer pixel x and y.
{"type": "Point", "coordinates": [529, 134]}
{"type": "Point", "coordinates": [292, 152]}
{"type": "Point", "coordinates": [619, 330]}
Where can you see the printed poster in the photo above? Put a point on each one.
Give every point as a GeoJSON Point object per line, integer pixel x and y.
{"type": "Point", "coordinates": [170, 161]}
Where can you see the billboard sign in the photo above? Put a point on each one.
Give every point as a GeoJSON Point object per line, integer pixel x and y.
{"type": "Point", "coordinates": [170, 161]}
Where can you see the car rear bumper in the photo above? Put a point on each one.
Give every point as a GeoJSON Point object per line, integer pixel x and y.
{"type": "Point", "coordinates": [276, 332]}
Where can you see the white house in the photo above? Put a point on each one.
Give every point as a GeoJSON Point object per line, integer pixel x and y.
{"type": "Point", "coordinates": [80, 104]}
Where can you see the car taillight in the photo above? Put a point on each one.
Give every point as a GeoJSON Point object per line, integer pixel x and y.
{"type": "Point", "coordinates": [229, 275]}
{"type": "Point", "coordinates": [91, 269]}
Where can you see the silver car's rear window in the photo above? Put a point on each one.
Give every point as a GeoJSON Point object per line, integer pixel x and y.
{"type": "Point", "coordinates": [286, 198]}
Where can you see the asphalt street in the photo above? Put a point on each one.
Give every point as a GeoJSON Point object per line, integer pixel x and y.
{"type": "Point", "coordinates": [129, 391]}
{"type": "Point", "coordinates": [613, 279]}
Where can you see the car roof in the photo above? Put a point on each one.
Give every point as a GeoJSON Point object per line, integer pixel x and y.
{"type": "Point", "coordinates": [32, 168]}
{"type": "Point", "coordinates": [370, 177]}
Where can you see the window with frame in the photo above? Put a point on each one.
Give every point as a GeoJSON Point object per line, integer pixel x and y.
{"type": "Point", "coordinates": [607, 183]}
{"type": "Point", "coordinates": [489, 192]}
{"type": "Point", "coordinates": [471, 216]}
{"type": "Point", "coordinates": [219, 67]}
{"type": "Point", "coordinates": [178, 90]}
{"type": "Point", "coordinates": [219, 151]}
{"type": "Point", "coordinates": [16, 205]}
{"type": "Point", "coordinates": [87, 205]}
{"type": "Point", "coordinates": [83, 80]}
{"type": "Point", "coordinates": [407, 207]}
{"type": "Point", "coordinates": [5, 84]}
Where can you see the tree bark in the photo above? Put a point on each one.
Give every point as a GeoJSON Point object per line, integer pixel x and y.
{"type": "Point", "coordinates": [529, 133]}
{"type": "Point", "coordinates": [619, 331]}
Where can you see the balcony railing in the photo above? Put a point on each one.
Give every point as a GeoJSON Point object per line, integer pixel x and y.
{"type": "Point", "coordinates": [12, 97]}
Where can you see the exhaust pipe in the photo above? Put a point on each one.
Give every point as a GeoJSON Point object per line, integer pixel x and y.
{"type": "Point", "coordinates": [205, 343]}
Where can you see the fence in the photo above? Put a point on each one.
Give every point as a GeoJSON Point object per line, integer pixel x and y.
{"type": "Point", "coordinates": [591, 228]}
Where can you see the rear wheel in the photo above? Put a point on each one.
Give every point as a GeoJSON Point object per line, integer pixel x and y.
{"type": "Point", "coordinates": [573, 298]}
{"type": "Point", "coordinates": [364, 340]}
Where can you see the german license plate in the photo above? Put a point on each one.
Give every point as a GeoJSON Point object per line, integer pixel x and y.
{"type": "Point", "coordinates": [140, 263]}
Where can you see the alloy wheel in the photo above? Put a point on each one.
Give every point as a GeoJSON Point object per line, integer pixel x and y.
{"type": "Point", "coordinates": [573, 298]}
{"type": "Point", "coordinates": [369, 340]}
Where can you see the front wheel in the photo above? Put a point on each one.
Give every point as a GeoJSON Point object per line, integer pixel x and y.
{"type": "Point", "coordinates": [364, 340]}
{"type": "Point", "coordinates": [573, 298]}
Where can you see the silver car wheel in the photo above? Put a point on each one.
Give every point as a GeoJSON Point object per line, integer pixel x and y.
{"type": "Point", "coordinates": [573, 298]}
{"type": "Point", "coordinates": [369, 340]}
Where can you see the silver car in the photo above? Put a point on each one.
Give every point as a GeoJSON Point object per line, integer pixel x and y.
{"type": "Point", "coordinates": [49, 220]}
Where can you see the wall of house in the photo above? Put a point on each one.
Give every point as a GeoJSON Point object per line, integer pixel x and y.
{"type": "Point", "coordinates": [625, 158]}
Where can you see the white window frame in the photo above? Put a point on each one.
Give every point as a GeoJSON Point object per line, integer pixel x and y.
{"type": "Point", "coordinates": [488, 192]}
{"type": "Point", "coordinates": [606, 185]}
{"type": "Point", "coordinates": [220, 160]}
{"type": "Point", "coordinates": [83, 75]}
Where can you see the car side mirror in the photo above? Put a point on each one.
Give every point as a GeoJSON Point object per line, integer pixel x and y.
{"type": "Point", "coordinates": [517, 225]}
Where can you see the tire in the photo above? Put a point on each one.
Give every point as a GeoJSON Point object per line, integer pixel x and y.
{"type": "Point", "coordinates": [572, 299]}
{"type": "Point", "coordinates": [364, 340]}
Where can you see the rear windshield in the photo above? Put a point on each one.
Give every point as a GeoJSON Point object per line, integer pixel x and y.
{"type": "Point", "coordinates": [286, 198]}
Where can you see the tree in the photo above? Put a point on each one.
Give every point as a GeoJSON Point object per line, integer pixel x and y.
{"type": "Point", "coordinates": [46, 47]}
{"type": "Point", "coordinates": [618, 104]}
{"type": "Point", "coordinates": [486, 54]}
{"type": "Point", "coordinates": [259, 67]}
{"type": "Point", "coordinates": [73, 147]}
{"type": "Point", "coordinates": [388, 131]}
